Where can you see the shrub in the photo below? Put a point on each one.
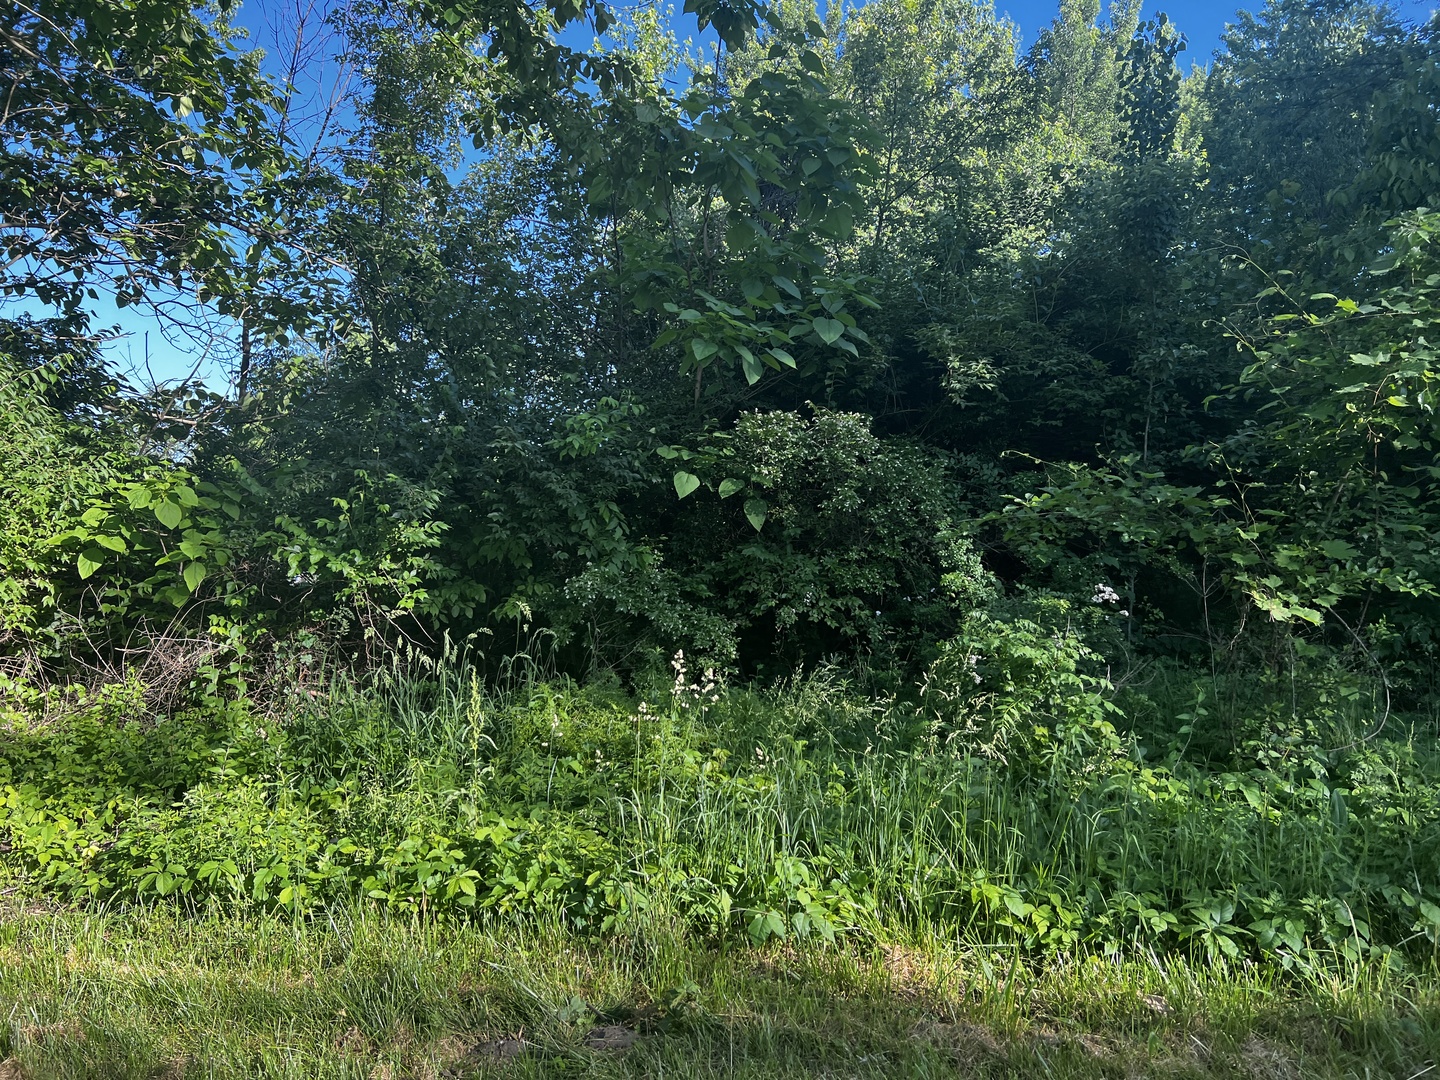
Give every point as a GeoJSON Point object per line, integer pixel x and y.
{"type": "Point", "coordinates": [1020, 694]}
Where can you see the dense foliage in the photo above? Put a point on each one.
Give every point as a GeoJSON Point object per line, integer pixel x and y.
{"type": "Point", "coordinates": [1081, 410]}
{"type": "Point", "coordinates": [805, 812]}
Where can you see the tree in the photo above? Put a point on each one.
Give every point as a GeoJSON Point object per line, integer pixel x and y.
{"type": "Point", "coordinates": [137, 155]}
{"type": "Point", "coordinates": [1290, 100]}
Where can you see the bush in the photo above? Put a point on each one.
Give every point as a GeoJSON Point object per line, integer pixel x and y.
{"type": "Point", "coordinates": [1020, 694]}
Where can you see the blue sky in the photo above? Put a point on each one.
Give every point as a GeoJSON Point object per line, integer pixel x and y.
{"type": "Point", "coordinates": [148, 353]}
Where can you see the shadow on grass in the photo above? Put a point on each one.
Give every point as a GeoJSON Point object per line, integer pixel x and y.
{"type": "Point", "coordinates": [152, 996]}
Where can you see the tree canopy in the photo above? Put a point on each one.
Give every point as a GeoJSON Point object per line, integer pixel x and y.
{"type": "Point", "coordinates": [807, 346]}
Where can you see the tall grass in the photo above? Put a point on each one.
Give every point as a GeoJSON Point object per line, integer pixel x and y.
{"type": "Point", "coordinates": [805, 810]}
{"type": "Point", "coordinates": [699, 798]}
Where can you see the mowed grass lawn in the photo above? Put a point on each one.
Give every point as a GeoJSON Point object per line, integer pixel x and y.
{"type": "Point", "coordinates": [158, 993]}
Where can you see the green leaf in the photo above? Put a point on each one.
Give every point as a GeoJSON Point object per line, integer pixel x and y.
{"type": "Point", "coordinates": [830, 330]}
{"type": "Point", "coordinates": [753, 369]}
{"type": "Point", "coordinates": [703, 349]}
{"type": "Point", "coordinates": [686, 483]}
{"type": "Point", "coordinates": [1339, 812]}
{"type": "Point", "coordinates": [194, 574]}
{"type": "Point", "coordinates": [1337, 549]}
{"type": "Point", "coordinates": [755, 511]}
{"type": "Point", "coordinates": [89, 561]}
{"type": "Point", "coordinates": [742, 235]}
{"type": "Point", "coordinates": [174, 595]}
{"type": "Point", "coordinates": [729, 486]}
{"type": "Point", "coordinates": [111, 543]}
{"type": "Point", "coordinates": [784, 357]}
{"type": "Point", "coordinates": [838, 221]}
{"type": "Point", "coordinates": [169, 514]}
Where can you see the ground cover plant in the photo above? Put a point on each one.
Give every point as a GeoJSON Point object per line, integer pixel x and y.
{"type": "Point", "coordinates": [846, 545]}
{"type": "Point", "coordinates": [804, 813]}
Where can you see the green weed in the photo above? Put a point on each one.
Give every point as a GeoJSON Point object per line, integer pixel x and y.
{"type": "Point", "coordinates": [725, 815]}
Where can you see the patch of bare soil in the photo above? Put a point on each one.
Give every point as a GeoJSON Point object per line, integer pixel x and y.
{"type": "Point", "coordinates": [1261, 1059]}
{"type": "Point", "coordinates": [352, 1041]}
{"type": "Point", "coordinates": [464, 1060]}
{"type": "Point", "coordinates": [968, 1044]}
{"type": "Point", "coordinates": [10, 1070]}
{"type": "Point", "coordinates": [611, 1037]}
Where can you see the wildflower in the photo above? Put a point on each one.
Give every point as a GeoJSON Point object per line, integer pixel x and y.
{"type": "Point", "coordinates": [1104, 594]}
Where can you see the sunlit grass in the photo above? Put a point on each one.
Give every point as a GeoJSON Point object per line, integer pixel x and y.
{"type": "Point", "coordinates": [148, 993]}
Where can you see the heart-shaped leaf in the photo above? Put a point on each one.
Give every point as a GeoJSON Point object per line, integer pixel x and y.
{"type": "Point", "coordinates": [89, 561]}
{"type": "Point", "coordinates": [830, 330]}
{"type": "Point", "coordinates": [194, 574]}
{"type": "Point", "coordinates": [729, 486]}
{"type": "Point", "coordinates": [755, 511]}
{"type": "Point", "coordinates": [168, 513]}
{"type": "Point", "coordinates": [686, 483]}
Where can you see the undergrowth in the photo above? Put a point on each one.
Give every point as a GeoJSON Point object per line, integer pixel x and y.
{"type": "Point", "coordinates": [739, 816]}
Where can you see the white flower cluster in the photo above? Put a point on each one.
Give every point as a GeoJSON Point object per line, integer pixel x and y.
{"type": "Point", "coordinates": [686, 693]}
{"type": "Point", "coordinates": [1104, 594]}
